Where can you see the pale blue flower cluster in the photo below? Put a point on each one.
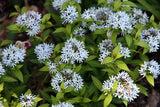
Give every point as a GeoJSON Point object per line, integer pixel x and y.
{"type": "Point", "coordinates": [70, 79]}
{"type": "Point", "coordinates": [79, 31]}
{"type": "Point", "coordinates": [12, 55]}
{"type": "Point", "coordinates": [152, 37]}
{"type": "Point", "coordinates": [126, 88]}
{"type": "Point", "coordinates": [57, 4]}
{"type": "Point", "coordinates": [73, 51]}
{"type": "Point", "coordinates": [27, 100]}
{"type": "Point", "coordinates": [105, 49]}
{"type": "Point", "coordinates": [150, 67]}
{"type": "Point", "coordinates": [69, 14]}
{"type": "Point", "coordinates": [44, 51]}
{"type": "Point", "coordinates": [30, 21]}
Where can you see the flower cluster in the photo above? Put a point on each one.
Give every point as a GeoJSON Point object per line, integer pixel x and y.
{"type": "Point", "coordinates": [139, 17]}
{"type": "Point", "coordinates": [151, 37]}
{"type": "Point", "coordinates": [124, 51]}
{"type": "Point", "coordinates": [70, 79]}
{"type": "Point", "coordinates": [120, 20]}
{"type": "Point", "coordinates": [73, 51]}
{"type": "Point", "coordinates": [101, 15]}
{"type": "Point", "coordinates": [79, 31]}
{"type": "Point", "coordinates": [152, 67]}
{"type": "Point", "coordinates": [31, 21]}
{"type": "Point", "coordinates": [12, 55]}
{"type": "Point", "coordinates": [126, 89]}
{"type": "Point", "coordinates": [57, 4]}
{"type": "Point", "coordinates": [44, 51]}
{"type": "Point", "coordinates": [69, 14]}
{"type": "Point", "coordinates": [105, 48]}
{"type": "Point", "coordinates": [104, 17]}
{"type": "Point", "coordinates": [52, 67]}
{"type": "Point", "coordinates": [2, 70]}
{"type": "Point", "coordinates": [27, 100]}
{"type": "Point", "coordinates": [63, 105]}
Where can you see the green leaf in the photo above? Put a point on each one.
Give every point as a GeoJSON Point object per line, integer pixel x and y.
{"type": "Point", "coordinates": [91, 57]}
{"type": "Point", "coordinates": [46, 17]}
{"type": "Point", "coordinates": [68, 28]}
{"type": "Point", "coordinates": [45, 96]}
{"type": "Point", "coordinates": [37, 99]}
{"type": "Point", "coordinates": [139, 27]}
{"type": "Point", "coordinates": [114, 87]}
{"type": "Point", "coordinates": [19, 66]}
{"type": "Point", "coordinates": [101, 97]}
{"type": "Point", "coordinates": [125, 102]}
{"type": "Point", "coordinates": [69, 89]}
{"type": "Point", "coordinates": [60, 29]}
{"type": "Point", "coordinates": [135, 73]}
{"type": "Point", "coordinates": [62, 85]}
{"type": "Point", "coordinates": [109, 70]}
{"type": "Point", "coordinates": [97, 83]}
{"type": "Point", "coordinates": [86, 100]}
{"type": "Point", "coordinates": [19, 105]}
{"type": "Point", "coordinates": [141, 43]}
{"type": "Point", "coordinates": [75, 100]}
{"type": "Point", "coordinates": [60, 95]}
{"type": "Point", "coordinates": [78, 68]}
{"type": "Point", "coordinates": [119, 56]}
{"type": "Point", "coordinates": [13, 13]}
{"type": "Point", "coordinates": [13, 27]}
{"type": "Point", "coordinates": [152, 19]}
{"type": "Point", "coordinates": [44, 105]}
{"type": "Point", "coordinates": [65, 4]}
{"type": "Point", "coordinates": [44, 68]}
{"type": "Point", "coordinates": [28, 92]}
{"type": "Point", "coordinates": [37, 37]}
{"type": "Point", "coordinates": [144, 57]}
{"type": "Point", "coordinates": [18, 74]}
{"type": "Point", "coordinates": [150, 79]}
{"type": "Point", "coordinates": [108, 100]}
{"type": "Point", "coordinates": [23, 10]}
{"type": "Point", "coordinates": [101, 1]}
{"type": "Point", "coordinates": [122, 65]}
{"type": "Point", "coordinates": [129, 40]}
{"type": "Point", "coordinates": [114, 37]}
{"type": "Point", "coordinates": [8, 79]}
{"type": "Point", "coordinates": [58, 47]}
{"type": "Point", "coordinates": [53, 99]}
{"type": "Point", "coordinates": [116, 51]}
{"type": "Point", "coordinates": [5, 42]}
{"type": "Point", "coordinates": [100, 31]}
{"type": "Point", "coordinates": [112, 105]}
{"type": "Point", "coordinates": [108, 60]}
{"type": "Point", "coordinates": [5, 103]}
{"type": "Point", "coordinates": [117, 5]}
{"type": "Point", "coordinates": [1, 87]}
{"type": "Point", "coordinates": [78, 8]}
{"type": "Point", "coordinates": [17, 8]}
{"type": "Point", "coordinates": [142, 89]}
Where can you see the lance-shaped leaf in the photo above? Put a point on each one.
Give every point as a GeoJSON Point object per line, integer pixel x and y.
{"type": "Point", "coordinates": [122, 65]}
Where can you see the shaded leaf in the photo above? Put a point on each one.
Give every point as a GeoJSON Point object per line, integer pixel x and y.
{"type": "Point", "coordinates": [97, 83]}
